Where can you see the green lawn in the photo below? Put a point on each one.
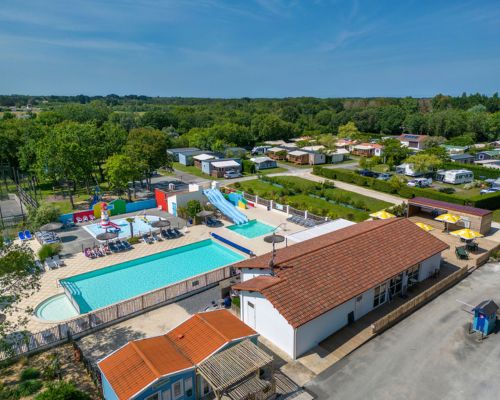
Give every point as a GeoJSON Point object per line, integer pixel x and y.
{"type": "Point", "coordinates": [315, 205]}
{"type": "Point", "coordinates": [272, 171]}
{"type": "Point", "coordinates": [496, 215]}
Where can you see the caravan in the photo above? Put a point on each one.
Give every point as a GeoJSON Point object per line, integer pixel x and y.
{"type": "Point", "coordinates": [458, 176]}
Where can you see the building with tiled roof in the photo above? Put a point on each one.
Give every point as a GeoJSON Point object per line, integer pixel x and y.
{"type": "Point", "coordinates": [165, 366]}
{"type": "Point", "coordinates": [318, 286]}
{"type": "Point", "coordinates": [416, 142]}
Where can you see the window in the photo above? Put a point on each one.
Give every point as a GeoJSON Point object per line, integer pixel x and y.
{"type": "Point", "coordinates": [177, 390]}
{"type": "Point", "coordinates": [155, 396]}
{"type": "Point", "coordinates": [412, 274]}
{"type": "Point", "coordinates": [188, 387]}
{"type": "Point", "coordinates": [379, 295]}
{"type": "Point", "coordinates": [205, 386]}
{"type": "Point", "coordinates": [396, 285]}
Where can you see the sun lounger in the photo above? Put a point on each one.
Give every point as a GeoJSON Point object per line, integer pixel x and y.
{"type": "Point", "coordinates": [28, 236]}
{"type": "Point", "coordinates": [58, 261]}
{"type": "Point", "coordinates": [164, 234]}
{"type": "Point", "coordinates": [172, 234]}
{"type": "Point", "coordinates": [178, 232]}
{"type": "Point", "coordinates": [79, 220]}
{"type": "Point", "coordinates": [156, 237]}
{"type": "Point", "coordinates": [146, 239]}
{"type": "Point", "coordinates": [39, 266]}
{"type": "Point", "coordinates": [127, 245]}
{"type": "Point", "coordinates": [113, 247]}
{"type": "Point", "coordinates": [21, 236]}
{"type": "Point", "coordinates": [50, 263]}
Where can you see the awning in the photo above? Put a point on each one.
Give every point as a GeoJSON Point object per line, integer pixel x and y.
{"type": "Point", "coordinates": [297, 153]}
{"type": "Point", "coordinates": [203, 157]}
{"type": "Point", "coordinates": [225, 164]}
{"type": "Point", "coordinates": [230, 367]}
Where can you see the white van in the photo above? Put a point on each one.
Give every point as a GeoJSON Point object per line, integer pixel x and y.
{"type": "Point", "coordinates": [458, 176]}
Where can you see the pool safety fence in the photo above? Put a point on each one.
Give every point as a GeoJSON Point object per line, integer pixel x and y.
{"type": "Point", "coordinates": [26, 343]}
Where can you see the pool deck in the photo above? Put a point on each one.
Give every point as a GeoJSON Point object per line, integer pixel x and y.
{"type": "Point", "coordinates": [77, 263]}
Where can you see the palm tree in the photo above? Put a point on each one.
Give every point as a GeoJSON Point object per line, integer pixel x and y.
{"type": "Point", "coordinates": [131, 220]}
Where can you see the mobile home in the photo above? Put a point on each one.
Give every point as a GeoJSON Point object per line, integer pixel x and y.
{"type": "Point", "coordinates": [458, 176]}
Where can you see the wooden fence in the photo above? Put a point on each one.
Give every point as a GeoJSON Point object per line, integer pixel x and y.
{"type": "Point", "coordinates": [24, 343]}
{"type": "Point", "coordinates": [390, 319]}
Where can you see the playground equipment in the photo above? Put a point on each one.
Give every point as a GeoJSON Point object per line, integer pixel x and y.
{"type": "Point", "coordinates": [96, 198]}
{"type": "Point", "coordinates": [237, 199]}
{"type": "Point", "coordinates": [217, 199]}
{"type": "Point", "coordinates": [105, 221]}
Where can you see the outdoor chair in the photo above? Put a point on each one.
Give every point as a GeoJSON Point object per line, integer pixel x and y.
{"type": "Point", "coordinates": [58, 261]}
{"type": "Point", "coordinates": [113, 247]}
{"type": "Point", "coordinates": [179, 233]}
{"type": "Point", "coordinates": [146, 239]}
{"type": "Point", "coordinates": [164, 234]}
{"type": "Point", "coordinates": [461, 253]}
{"type": "Point", "coordinates": [127, 245]}
{"type": "Point", "coordinates": [50, 263]}
{"type": "Point", "coordinates": [21, 236]}
{"type": "Point", "coordinates": [28, 236]}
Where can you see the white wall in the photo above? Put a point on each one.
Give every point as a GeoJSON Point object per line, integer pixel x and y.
{"type": "Point", "coordinates": [365, 305]}
{"type": "Point", "coordinates": [249, 273]}
{"type": "Point", "coordinates": [268, 321]}
{"type": "Point", "coordinates": [428, 266]}
{"type": "Point", "coordinates": [313, 332]}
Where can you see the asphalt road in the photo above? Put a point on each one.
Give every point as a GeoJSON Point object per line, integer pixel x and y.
{"type": "Point", "coordinates": [429, 355]}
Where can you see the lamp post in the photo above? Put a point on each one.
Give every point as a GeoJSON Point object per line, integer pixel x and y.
{"type": "Point", "coordinates": [274, 238]}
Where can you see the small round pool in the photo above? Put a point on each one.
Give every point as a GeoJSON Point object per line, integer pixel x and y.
{"type": "Point", "coordinates": [56, 308]}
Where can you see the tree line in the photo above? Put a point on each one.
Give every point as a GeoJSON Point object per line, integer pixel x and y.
{"type": "Point", "coordinates": [82, 140]}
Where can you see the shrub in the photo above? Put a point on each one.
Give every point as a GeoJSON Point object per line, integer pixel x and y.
{"type": "Point", "coordinates": [62, 391]}
{"type": "Point", "coordinates": [447, 190]}
{"type": "Point", "coordinates": [133, 240]}
{"type": "Point", "coordinates": [43, 215]}
{"type": "Point", "coordinates": [477, 170]}
{"type": "Point", "coordinates": [30, 373]}
{"type": "Point", "coordinates": [27, 388]}
{"type": "Point", "coordinates": [490, 201]}
{"type": "Point", "coordinates": [237, 185]}
{"type": "Point", "coordinates": [49, 250]}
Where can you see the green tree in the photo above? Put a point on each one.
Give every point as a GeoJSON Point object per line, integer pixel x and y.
{"type": "Point", "coordinates": [147, 148]}
{"type": "Point", "coordinates": [120, 170]}
{"type": "Point", "coordinates": [42, 215]}
{"type": "Point", "coordinates": [193, 207]}
{"type": "Point", "coordinates": [348, 130]}
{"type": "Point", "coordinates": [394, 152]}
{"type": "Point", "coordinates": [18, 279]}
{"type": "Point", "coordinates": [424, 162]}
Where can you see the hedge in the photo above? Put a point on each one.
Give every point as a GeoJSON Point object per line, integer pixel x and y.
{"type": "Point", "coordinates": [488, 173]}
{"type": "Point", "coordinates": [486, 201]}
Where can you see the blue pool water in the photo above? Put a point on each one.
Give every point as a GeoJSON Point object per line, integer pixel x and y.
{"type": "Point", "coordinates": [252, 229]}
{"type": "Point", "coordinates": [139, 226]}
{"type": "Point", "coordinates": [56, 308]}
{"type": "Point", "coordinates": [119, 282]}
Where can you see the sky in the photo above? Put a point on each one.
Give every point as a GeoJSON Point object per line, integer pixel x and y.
{"type": "Point", "coordinates": [250, 48]}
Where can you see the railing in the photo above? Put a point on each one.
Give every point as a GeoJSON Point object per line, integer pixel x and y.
{"type": "Point", "coordinates": [419, 300]}
{"type": "Point", "coordinates": [295, 211]}
{"type": "Point", "coordinates": [26, 198]}
{"type": "Point", "coordinates": [98, 319]}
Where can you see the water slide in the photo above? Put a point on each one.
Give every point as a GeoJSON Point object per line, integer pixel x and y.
{"type": "Point", "coordinates": [217, 199]}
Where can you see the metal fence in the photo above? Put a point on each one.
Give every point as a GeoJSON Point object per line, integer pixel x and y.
{"type": "Point", "coordinates": [419, 300]}
{"type": "Point", "coordinates": [297, 212]}
{"type": "Point", "coordinates": [98, 319]}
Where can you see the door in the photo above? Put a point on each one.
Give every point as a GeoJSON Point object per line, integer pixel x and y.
{"type": "Point", "coordinates": [350, 318]}
{"type": "Point", "coordinates": [480, 322]}
{"type": "Point", "coordinates": [174, 209]}
{"type": "Point", "coordinates": [251, 315]}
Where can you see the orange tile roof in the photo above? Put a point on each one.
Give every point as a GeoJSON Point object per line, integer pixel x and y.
{"type": "Point", "coordinates": [139, 363]}
{"type": "Point", "coordinates": [204, 333]}
{"type": "Point", "coordinates": [257, 284]}
{"type": "Point", "coordinates": [317, 275]}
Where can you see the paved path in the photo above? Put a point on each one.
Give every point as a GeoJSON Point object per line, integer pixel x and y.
{"type": "Point", "coordinates": [429, 355]}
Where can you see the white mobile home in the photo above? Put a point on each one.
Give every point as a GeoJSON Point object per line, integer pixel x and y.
{"type": "Point", "coordinates": [458, 176]}
{"type": "Point", "coordinates": [407, 169]}
{"type": "Point", "coordinates": [318, 286]}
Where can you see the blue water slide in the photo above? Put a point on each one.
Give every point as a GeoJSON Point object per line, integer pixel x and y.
{"type": "Point", "coordinates": [217, 199]}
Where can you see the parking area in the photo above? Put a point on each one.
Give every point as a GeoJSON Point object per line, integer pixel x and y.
{"type": "Point", "coordinates": [428, 355]}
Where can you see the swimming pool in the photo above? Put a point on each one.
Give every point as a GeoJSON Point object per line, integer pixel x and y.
{"type": "Point", "coordinates": [56, 308]}
{"type": "Point", "coordinates": [252, 229]}
{"type": "Point", "coordinates": [123, 281]}
{"type": "Point", "coordinates": [139, 225]}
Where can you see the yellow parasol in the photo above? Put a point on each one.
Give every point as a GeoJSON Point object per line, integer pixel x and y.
{"type": "Point", "coordinates": [466, 234]}
{"type": "Point", "coordinates": [382, 215]}
{"type": "Point", "coordinates": [449, 218]}
{"type": "Point", "coordinates": [423, 226]}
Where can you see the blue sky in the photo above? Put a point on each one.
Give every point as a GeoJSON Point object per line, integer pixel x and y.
{"type": "Point", "coordinates": [254, 48]}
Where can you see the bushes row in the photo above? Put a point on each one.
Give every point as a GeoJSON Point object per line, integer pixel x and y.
{"type": "Point", "coordinates": [487, 201]}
